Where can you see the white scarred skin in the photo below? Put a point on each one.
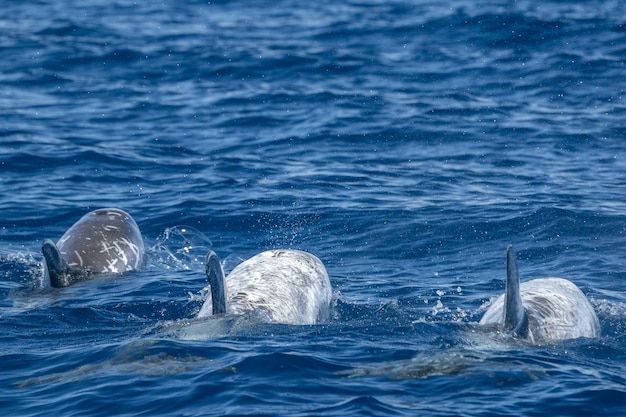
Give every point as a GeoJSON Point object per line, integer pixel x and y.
{"type": "Point", "coordinates": [556, 310]}
{"type": "Point", "coordinates": [287, 286]}
{"type": "Point", "coordinates": [104, 241]}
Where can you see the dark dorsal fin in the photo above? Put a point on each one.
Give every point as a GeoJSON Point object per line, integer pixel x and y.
{"type": "Point", "coordinates": [59, 272]}
{"type": "Point", "coordinates": [215, 274]}
{"type": "Point", "coordinates": [514, 314]}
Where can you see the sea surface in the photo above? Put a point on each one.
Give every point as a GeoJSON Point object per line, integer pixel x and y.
{"type": "Point", "coordinates": [405, 143]}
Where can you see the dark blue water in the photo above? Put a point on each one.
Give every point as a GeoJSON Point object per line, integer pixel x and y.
{"type": "Point", "coordinates": [403, 143]}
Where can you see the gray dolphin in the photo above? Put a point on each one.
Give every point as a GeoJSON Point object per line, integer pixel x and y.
{"type": "Point", "coordinates": [287, 286]}
{"type": "Point", "coordinates": [541, 310]}
{"type": "Point", "coordinates": [104, 241]}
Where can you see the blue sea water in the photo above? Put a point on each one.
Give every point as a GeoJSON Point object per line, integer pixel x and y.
{"type": "Point", "coordinates": [405, 143]}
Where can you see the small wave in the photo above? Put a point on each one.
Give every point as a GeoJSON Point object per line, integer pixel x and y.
{"type": "Point", "coordinates": [21, 267]}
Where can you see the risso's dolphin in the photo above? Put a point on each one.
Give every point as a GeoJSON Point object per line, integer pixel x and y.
{"type": "Point", "coordinates": [104, 241]}
{"type": "Point", "coordinates": [286, 286]}
{"type": "Point", "coordinates": [541, 310]}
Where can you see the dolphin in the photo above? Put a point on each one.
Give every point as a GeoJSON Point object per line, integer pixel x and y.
{"type": "Point", "coordinates": [104, 241]}
{"type": "Point", "coordinates": [541, 310]}
{"type": "Point", "coordinates": [286, 286]}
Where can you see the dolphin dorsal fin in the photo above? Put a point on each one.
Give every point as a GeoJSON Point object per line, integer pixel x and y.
{"type": "Point", "coordinates": [514, 314]}
{"type": "Point", "coordinates": [59, 272]}
{"type": "Point", "coordinates": [215, 274]}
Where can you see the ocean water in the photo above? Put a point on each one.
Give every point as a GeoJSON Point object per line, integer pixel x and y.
{"type": "Point", "coordinates": [405, 143]}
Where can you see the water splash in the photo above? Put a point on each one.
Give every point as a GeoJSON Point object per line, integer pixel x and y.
{"type": "Point", "coordinates": [181, 248]}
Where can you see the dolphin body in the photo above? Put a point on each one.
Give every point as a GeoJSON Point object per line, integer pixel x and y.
{"type": "Point", "coordinates": [104, 241]}
{"type": "Point", "coordinates": [541, 310]}
{"type": "Point", "coordinates": [284, 286]}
